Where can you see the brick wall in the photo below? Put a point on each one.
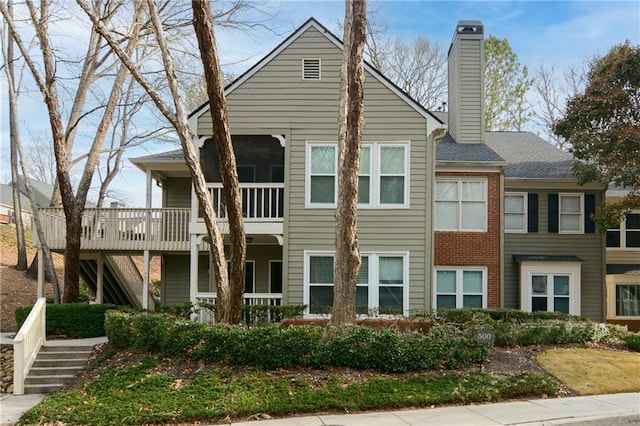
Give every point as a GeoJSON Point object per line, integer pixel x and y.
{"type": "Point", "coordinates": [475, 248]}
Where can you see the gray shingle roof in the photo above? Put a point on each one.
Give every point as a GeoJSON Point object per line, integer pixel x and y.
{"type": "Point", "coordinates": [529, 156]}
{"type": "Point", "coordinates": [449, 150]}
{"type": "Point", "coordinates": [163, 156]}
{"type": "Point", "coordinates": [42, 191]}
{"type": "Point", "coordinates": [6, 198]}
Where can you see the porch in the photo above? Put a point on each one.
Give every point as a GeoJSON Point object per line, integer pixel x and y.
{"type": "Point", "coordinates": [204, 301]}
{"type": "Point", "coordinates": [120, 229]}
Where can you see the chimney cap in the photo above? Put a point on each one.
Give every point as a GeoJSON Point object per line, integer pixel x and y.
{"type": "Point", "coordinates": [470, 27]}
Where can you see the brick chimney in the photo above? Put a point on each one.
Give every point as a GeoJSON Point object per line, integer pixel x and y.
{"type": "Point", "coordinates": [465, 63]}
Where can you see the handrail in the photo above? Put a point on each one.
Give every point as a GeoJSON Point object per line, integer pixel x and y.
{"type": "Point", "coordinates": [261, 201]}
{"type": "Point", "coordinates": [130, 278]}
{"type": "Point", "coordinates": [27, 343]}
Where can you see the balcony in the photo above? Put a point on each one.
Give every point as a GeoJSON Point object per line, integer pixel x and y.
{"type": "Point", "coordinates": [262, 208]}
{"type": "Point", "coordinates": [120, 229]}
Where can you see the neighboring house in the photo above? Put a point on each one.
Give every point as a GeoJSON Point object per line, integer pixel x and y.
{"type": "Point", "coordinates": [623, 267]}
{"type": "Point", "coordinates": [7, 212]}
{"type": "Point", "coordinates": [41, 191]}
{"type": "Point", "coordinates": [553, 255]}
{"type": "Point", "coordinates": [431, 199]}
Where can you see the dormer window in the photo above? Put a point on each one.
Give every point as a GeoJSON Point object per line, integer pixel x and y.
{"type": "Point", "coordinates": [311, 69]}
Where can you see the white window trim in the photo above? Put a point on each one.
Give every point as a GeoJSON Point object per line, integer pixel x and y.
{"type": "Point", "coordinates": [612, 282]}
{"type": "Point", "coordinates": [459, 290]}
{"type": "Point", "coordinates": [307, 174]}
{"type": "Point", "coordinates": [374, 176]}
{"type": "Point", "coordinates": [373, 285]}
{"type": "Point", "coordinates": [459, 201]}
{"type": "Point", "coordinates": [572, 269]}
{"type": "Point", "coordinates": [623, 235]}
{"type": "Point", "coordinates": [580, 220]}
{"type": "Point", "coordinates": [525, 222]}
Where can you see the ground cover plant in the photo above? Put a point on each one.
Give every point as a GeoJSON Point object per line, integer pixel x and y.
{"type": "Point", "coordinates": [152, 390]}
{"type": "Point", "coordinates": [162, 368]}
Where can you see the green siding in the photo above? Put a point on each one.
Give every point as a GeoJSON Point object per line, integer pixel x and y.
{"type": "Point", "coordinates": [588, 247]}
{"type": "Point", "coordinates": [276, 97]}
{"type": "Point", "coordinates": [176, 192]}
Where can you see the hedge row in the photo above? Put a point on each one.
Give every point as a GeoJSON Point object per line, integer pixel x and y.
{"type": "Point", "coordinates": [77, 320]}
{"type": "Point", "coordinates": [273, 347]}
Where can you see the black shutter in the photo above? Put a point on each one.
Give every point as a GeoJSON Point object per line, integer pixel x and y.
{"type": "Point", "coordinates": [532, 213]}
{"type": "Point", "coordinates": [552, 219]}
{"type": "Point", "coordinates": [589, 211]}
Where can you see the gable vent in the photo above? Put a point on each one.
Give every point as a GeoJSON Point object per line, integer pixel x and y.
{"type": "Point", "coordinates": [311, 69]}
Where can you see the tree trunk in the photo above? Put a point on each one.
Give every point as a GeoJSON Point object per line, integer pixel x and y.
{"type": "Point", "coordinates": [203, 24]}
{"type": "Point", "coordinates": [347, 263]}
{"type": "Point", "coordinates": [14, 136]}
{"type": "Point", "coordinates": [72, 259]}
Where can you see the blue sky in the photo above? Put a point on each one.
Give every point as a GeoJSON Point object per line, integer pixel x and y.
{"type": "Point", "coordinates": [554, 33]}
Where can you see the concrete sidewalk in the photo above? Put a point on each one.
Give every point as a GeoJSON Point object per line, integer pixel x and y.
{"type": "Point", "coordinates": [615, 409]}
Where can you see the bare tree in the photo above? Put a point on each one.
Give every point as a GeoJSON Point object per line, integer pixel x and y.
{"type": "Point", "coordinates": [14, 141]}
{"type": "Point", "coordinates": [350, 127]}
{"type": "Point", "coordinates": [418, 67]}
{"type": "Point", "coordinates": [179, 121]}
{"type": "Point", "coordinates": [41, 161]}
{"type": "Point", "coordinates": [203, 24]}
{"type": "Point", "coordinates": [553, 92]}
{"type": "Point", "coordinates": [47, 82]}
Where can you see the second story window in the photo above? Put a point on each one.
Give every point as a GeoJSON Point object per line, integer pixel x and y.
{"type": "Point", "coordinates": [515, 212]}
{"type": "Point", "coordinates": [571, 213]}
{"type": "Point", "coordinates": [461, 205]}
{"type": "Point", "coordinates": [382, 178]}
{"type": "Point", "coordinates": [323, 177]}
{"type": "Point", "coordinates": [627, 234]}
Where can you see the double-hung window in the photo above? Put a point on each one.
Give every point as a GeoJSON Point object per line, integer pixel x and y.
{"type": "Point", "coordinates": [323, 178]}
{"type": "Point", "coordinates": [383, 175]}
{"type": "Point", "coordinates": [460, 288]}
{"type": "Point", "coordinates": [382, 285]}
{"type": "Point", "coordinates": [461, 205]}
{"type": "Point", "coordinates": [627, 234]}
{"type": "Point", "coordinates": [571, 213]}
{"type": "Point", "coordinates": [515, 212]}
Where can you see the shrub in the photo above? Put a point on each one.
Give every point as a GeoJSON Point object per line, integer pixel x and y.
{"type": "Point", "coordinates": [632, 341]}
{"type": "Point", "coordinates": [79, 320]}
{"type": "Point", "coordinates": [117, 327]}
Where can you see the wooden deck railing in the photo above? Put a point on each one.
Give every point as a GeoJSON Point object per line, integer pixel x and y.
{"type": "Point", "coordinates": [121, 228]}
{"type": "Point", "coordinates": [261, 202]}
{"type": "Point", "coordinates": [27, 344]}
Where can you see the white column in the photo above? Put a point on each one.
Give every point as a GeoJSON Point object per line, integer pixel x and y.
{"type": "Point", "coordinates": [40, 273]}
{"type": "Point", "coordinates": [145, 281]}
{"type": "Point", "coordinates": [193, 269]}
{"type": "Point", "coordinates": [147, 256]}
{"type": "Point", "coordinates": [100, 280]}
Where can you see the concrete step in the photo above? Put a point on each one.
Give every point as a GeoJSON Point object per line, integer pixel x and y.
{"type": "Point", "coordinates": [69, 362]}
{"type": "Point", "coordinates": [44, 389]}
{"type": "Point", "coordinates": [53, 371]}
{"type": "Point", "coordinates": [51, 355]}
{"type": "Point", "coordinates": [48, 379]}
{"type": "Point", "coordinates": [70, 348]}
{"type": "Point", "coordinates": [55, 366]}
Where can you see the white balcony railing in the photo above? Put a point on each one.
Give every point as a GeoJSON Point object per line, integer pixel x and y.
{"type": "Point", "coordinates": [251, 299]}
{"type": "Point", "coordinates": [261, 202]}
{"type": "Point", "coordinates": [121, 228]}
